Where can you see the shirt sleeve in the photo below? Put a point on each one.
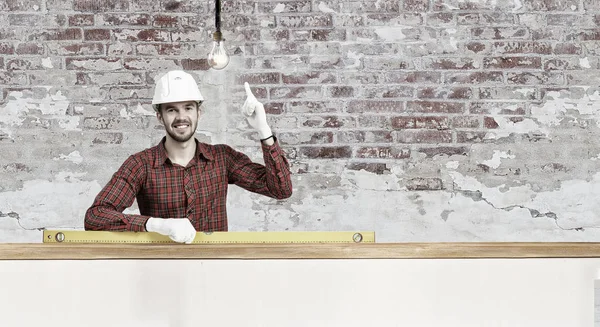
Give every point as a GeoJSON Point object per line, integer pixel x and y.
{"type": "Point", "coordinates": [273, 179]}
{"type": "Point", "coordinates": [106, 213]}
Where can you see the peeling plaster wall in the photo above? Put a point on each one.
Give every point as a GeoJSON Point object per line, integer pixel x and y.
{"type": "Point", "coordinates": [442, 120]}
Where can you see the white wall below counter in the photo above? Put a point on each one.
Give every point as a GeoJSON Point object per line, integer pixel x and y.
{"type": "Point", "coordinates": [324, 292]}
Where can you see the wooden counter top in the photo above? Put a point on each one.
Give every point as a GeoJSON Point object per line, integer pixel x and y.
{"type": "Point", "coordinates": [46, 251]}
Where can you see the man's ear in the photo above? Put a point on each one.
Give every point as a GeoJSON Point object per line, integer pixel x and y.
{"type": "Point", "coordinates": [159, 117]}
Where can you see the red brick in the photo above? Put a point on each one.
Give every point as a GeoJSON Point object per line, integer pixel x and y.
{"type": "Point", "coordinates": [164, 21]}
{"type": "Point", "coordinates": [234, 21]}
{"type": "Point", "coordinates": [29, 48]}
{"type": "Point", "coordinates": [24, 64]}
{"type": "Point", "coordinates": [375, 106]}
{"type": "Point", "coordinates": [563, 64]}
{"type": "Point", "coordinates": [13, 78]}
{"type": "Point", "coordinates": [444, 93]}
{"type": "Point", "coordinates": [288, 7]}
{"type": "Point", "coordinates": [273, 108]}
{"type": "Point", "coordinates": [522, 47]}
{"type": "Point", "coordinates": [81, 20]}
{"type": "Point", "coordinates": [195, 64]}
{"type": "Point", "coordinates": [507, 93]}
{"type": "Point", "coordinates": [424, 136]}
{"type": "Point", "coordinates": [76, 49]}
{"type": "Point", "coordinates": [20, 5]}
{"type": "Point", "coordinates": [266, 35]}
{"type": "Point", "coordinates": [553, 33]}
{"type": "Point", "coordinates": [259, 92]}
{"type": "Point", "coordinates": [281, 48]}
{"type": "Point", "coordinates": [112, 123]}
{"type": "Point", "coordinates": [150, 63]}
{"type": "Point", "coordinates": [340, 91]}
{"type": "Point", "coordinates": [305, 92]}
{"type": "Point", "coordinates": [134, 35]}
{"type": "Point", "coordinates": [100, 5]}
{"type": "Point", "coordinates": [31, 20]}
{"type": "Point", "coordinates": [183, 6]}
{"type": "Point", "coordinates": [376, 168]}
{"type": "Point", "coordinates": [313, 106]}
{"type": "Point", "coordinates": [374, 121]}
{"type": "Point", "coordinates": [351, 77]}
{"type": "Point", "coordinates": [416, 5]}
{"type": "Point", "coordinates": [108, 138]}
{"type": "Point", "coordinates": [444, 150]}
{"type": "Point", "coordinates": [440, 18]}
{"type": "Point", "coordinates": [551, 5]}
{"type": "Point", "coordinates": [499, 33]}
{"type": "Point", "coordinates": [424, 184]}
{"type": "Point", "coordinates": [388, 92]}
{"type": "Point", "coordinates": [383, 152]}
{"type": "Point", "coordinates": [308, 78]}
{"type": "Point", "coordinates": [258, 78]}
{"type": "Point", "coordinates": [125, 20]}
{"type": "Point", "coordinates": [468, 19]}
{"type": "Point", "coordinates": [585, 35]}
{"type": "Point", "coordinates": [302, 137]}
{"type": "Point", "coordinates": [89, 63]}
{"type": "Point", "coordinates": [470, 137]}
{"type": "Point", "coordinates": [449, 63]}
{"type": "Point", "coordinates": [465, 122]}
{"type": "Point", "coordinates": [114, 78]}
{"type": "Point", "coordinates": [300, 21]}
{"type": "Point", "coordinates": [326, 152]}
{"type": "Point", "coordinates": [418, 122]}
{"type": "Point", "coordinates": [328, 35]}
{"type": "Point", "coordinates": [497, 108]}
{"type": "Point", "coordinates": [329, 121]}
{"type": "Point", "coordinates": [549, 78]}
{"type": "Point", "coordinates": [591, 5]}
{"type": "Point", "coordinates": [500, 17]}
{"type": "Point", "coordinates": [96, 35]}
{"type": "Point", "coordinates": [486, 77]}
{"type": "Point", "coordinates": [567, 20]}
{"type": "Point", "coordinates": [392, 18]}
{"type": "Point", "coordinates": [376, 137]}
{"type": "Point", "coordinates": [6, 48]}
{"type": "Point", "coordinates": [568, 48]}
{"type": "Point", "coordinates": [435, 107]}
{"type": "Point", "coordinates": [477, 47]}
{"type": "Point", "coordinates": [414, 77]}
{"type": "Point", "coordinates": [129, 92]}
{"type": "Point", "coordinates": [513, 62]}
{"type": "Point", "coordinates": [384, 6]}
{"type": "Point", "coordinates": [57, 35]}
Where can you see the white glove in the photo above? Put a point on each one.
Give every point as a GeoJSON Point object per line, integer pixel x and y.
{"type": "Point", "coordinates": [255, 114]}
{"type": "Point", "coordinates": [179, 230]}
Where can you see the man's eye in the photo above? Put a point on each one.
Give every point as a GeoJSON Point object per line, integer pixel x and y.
{"type": "Point", "coordinates": [190, 108]}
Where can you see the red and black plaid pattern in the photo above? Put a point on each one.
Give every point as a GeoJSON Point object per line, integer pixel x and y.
{"type": "Point", "coordinates": [197, 192]}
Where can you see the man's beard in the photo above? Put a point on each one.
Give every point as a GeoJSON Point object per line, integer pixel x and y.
{"type": "Point", "coordinates": [179, 137]}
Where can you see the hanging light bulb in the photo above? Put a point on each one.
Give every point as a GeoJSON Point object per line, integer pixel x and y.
{"type": "Point", "coordinates": [218, 58]}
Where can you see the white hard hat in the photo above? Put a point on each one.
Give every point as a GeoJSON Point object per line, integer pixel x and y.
{"type": "Point", "coordinates": [176, 86]}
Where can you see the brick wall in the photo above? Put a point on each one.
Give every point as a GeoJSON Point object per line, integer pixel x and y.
{"type": "Point", "coordinates": [419, 119]}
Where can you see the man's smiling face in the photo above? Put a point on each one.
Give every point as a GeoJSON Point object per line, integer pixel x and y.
{"type": "Point", "coordinates": [180, 119]}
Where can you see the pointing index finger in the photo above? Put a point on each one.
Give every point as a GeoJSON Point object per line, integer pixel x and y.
{"type": "Point", "coordinates": [248, 90]}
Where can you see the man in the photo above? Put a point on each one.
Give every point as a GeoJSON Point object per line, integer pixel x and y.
{"type": "Point", "coordinates": [181, 184]}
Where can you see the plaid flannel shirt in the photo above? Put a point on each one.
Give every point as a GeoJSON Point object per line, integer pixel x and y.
{"type": "Point", "coordinates": [197, 192]}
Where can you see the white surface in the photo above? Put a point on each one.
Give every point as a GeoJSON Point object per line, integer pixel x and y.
{"type": "Point", "coordinates": [415, 293]}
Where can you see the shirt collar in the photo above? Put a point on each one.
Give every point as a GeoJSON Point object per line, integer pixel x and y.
{"type": "Point", "coordinates": [202, 151]}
